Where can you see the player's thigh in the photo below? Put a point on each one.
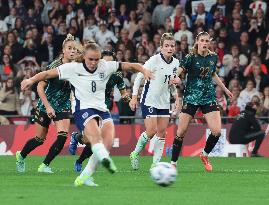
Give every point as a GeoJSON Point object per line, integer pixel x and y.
{"type": "Point", "coordinates": [62, 121]}
{"type": "Point", "coordinates": [213, 120]}
{"type": "Point", "coordinates": [162, 124]}
{"type": "Point", "coordinates": [42, 122]}
{"type": "Point", "coordinates": [108, 133]}
{"type": "Point", "coordinates": [62, 125]}
{"type": "Point", "coordinates": [183, 124]}
{"type": "Point", "coordinates": [92, 131]}
{"type": "Point", "coordinates": [151, 126]}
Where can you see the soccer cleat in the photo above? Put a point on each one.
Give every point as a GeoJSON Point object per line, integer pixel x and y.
{"type": "Point", "coordinates": [73, 143]}
{"type": "Point", "coordinates": [20, 164]}
{"type": "Point", "coordinates": [77, 167]}
{"type": "Point", "coordinates": [109, 165]}
{"type": "Point", "coordinates": [87, 181]}
{"type": "Point", "coordinates": [134, 157]}
{"type": "Point", "coordinates": [44, 169]}
{"type": "Point", "coordinates": [206, 162]}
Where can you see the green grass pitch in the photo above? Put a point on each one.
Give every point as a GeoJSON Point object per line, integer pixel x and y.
{"type": "Point", "coordinates": [234, 181]}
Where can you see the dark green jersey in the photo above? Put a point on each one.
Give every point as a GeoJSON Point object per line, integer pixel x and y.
{"type": "Point", "coordinates": [199, 88]}
{"type": "Point", "coordinates": [115, 79]}
{"type": "Point", "coordinates": [57, 92]}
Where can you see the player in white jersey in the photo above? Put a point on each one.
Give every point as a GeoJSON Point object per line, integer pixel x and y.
{"type": "Point", "coordinates": [155, 99]}
{"type": "Point", "coordinates": [88, 80]}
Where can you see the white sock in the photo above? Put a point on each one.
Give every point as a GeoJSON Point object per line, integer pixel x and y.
{"type": "Point", "coordinates": [158, 149]}
{"type": "Point", "coordinates": [100, 151]}
{"type": "Point", "coordinates": [142, 141]}
{"type": "Point", "coordinates": [90, 167]}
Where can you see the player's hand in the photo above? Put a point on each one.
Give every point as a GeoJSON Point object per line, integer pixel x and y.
{"type": "Point", "coordinates": [229, 93]}
{"type": "Point", "coordinates": [126, 98]}
{"type": "Point", "coordinates": [133, 103]}
{"type": "Point", "coordinates": [147, 74]}
{"type": "Point", "coordinates": [26, 84]}
{"type": "Point", "coordinates": [50, 112]}
{"type": "Point", "coordinates": [174, 81]}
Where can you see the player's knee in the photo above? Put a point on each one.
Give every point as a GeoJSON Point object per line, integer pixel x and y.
{"type": "Point", "coordinates": [181, 132]}
{"type": "Point", "coordinates": [151, 131]}
{"type": "Point", "coordinates": [161, 133]}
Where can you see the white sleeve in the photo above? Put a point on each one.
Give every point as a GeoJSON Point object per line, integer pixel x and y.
{"type": "Point", "coordinates": [150, 63]}
{"type": "Point", "coordinates": [112, 66]}
{"type": "Point", "coordinates": [137, 83]}
{"type": "Point", "coordinates": [66, 71]}
{"type": "Point", "coordinates": [149, 66]}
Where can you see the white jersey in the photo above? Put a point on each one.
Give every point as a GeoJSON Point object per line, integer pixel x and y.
{"type": "Point", "coordinates": [88, 87]}
{"type": "Point", "coordinates": [156, 92]}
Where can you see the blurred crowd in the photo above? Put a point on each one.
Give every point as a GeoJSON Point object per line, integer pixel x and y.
{"type": "Point", "coordinates": [32, 32]}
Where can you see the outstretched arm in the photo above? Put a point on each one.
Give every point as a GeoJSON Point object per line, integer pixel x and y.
{"type": "Point", "coordinates": [53, 73]}
{"type": "Point", "coordinates": [220, 83]}
{"type": "Point", "coordinates": [137, 67]}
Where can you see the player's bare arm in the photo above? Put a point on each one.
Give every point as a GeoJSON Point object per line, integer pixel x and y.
{"type": "Point", "coordinates": [41, 92]}
{"type": "Point", "coordinates": [137, 67]}
{"type": "Point", "coordinates": [217, 80]}
{"type": "Point", "coordinates": [53, 73]}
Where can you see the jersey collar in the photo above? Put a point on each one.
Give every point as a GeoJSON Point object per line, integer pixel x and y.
{"type": "Point", "coordinates": [86, 68]}
{"type": "Point", "coordinates": [168, 62]}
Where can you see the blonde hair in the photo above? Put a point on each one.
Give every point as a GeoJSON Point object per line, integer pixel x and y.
{"type": "Point", "coordinates": [68, 38]}
{"type": "Point", "coordinates": [91, 45]}
{"type": "Point", "coordinates": [194, 49]}
{"type": "Point", "coordinates": [166, 36]}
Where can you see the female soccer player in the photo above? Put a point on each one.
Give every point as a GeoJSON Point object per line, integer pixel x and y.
{"type": "Point", "coordinates": [88, 80]}
{"type": "Point", "coordinates": [155, 99]}
{"type": "Point", "coordinates": [200, 66]}
{"type": "Point", "coordinates": [116, 79]}
{"type": "Point", "coordinates": [54, 104]}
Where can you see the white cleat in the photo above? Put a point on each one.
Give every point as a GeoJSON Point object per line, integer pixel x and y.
{"type": "Point", "coordinates": [44, 169]}
{"type": "Point", "coordinates": [87, 181]}
{"type": "Point", "coordinates": [134, 157]}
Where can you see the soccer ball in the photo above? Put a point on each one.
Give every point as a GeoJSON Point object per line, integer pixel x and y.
{"type": "Point", "coordinates": [163, 174]}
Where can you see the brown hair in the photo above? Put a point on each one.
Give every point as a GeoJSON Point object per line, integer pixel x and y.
{"type": "Point", "coordinates": [194, 49]}
{"type": "Point", "coordinates": [166, 36]}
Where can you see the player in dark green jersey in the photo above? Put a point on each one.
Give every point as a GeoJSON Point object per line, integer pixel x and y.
{"type": "Point", "coordinates": [115, 79]}
{"type": "Point", "coordinates": [200, 68]}
{"type": "Point", "coordinates": [54, 104]}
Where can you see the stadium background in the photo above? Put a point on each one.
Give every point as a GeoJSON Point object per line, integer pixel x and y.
{"type": "Point", "coordinates": [32, 31]}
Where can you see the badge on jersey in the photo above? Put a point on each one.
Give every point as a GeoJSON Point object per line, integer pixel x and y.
{"type": "Point", "coordinates": [102, 75]}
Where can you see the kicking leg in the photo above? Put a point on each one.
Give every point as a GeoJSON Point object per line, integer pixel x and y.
{"type": "Point", "coordinates": [162, 124]}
